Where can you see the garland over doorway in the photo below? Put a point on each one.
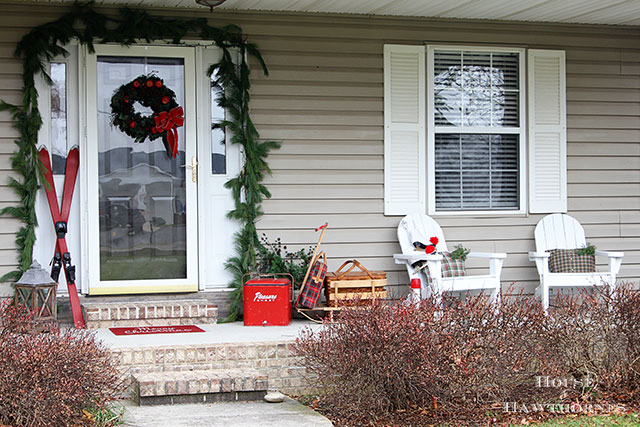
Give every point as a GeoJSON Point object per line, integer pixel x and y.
{"type": "Point", "coordinates": [88, 26]}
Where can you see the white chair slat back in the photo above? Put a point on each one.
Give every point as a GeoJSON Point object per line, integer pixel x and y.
{"type": "Point", "coordinates": [559, 231]}
{"type": "Point", "coordinates": [419, 227]}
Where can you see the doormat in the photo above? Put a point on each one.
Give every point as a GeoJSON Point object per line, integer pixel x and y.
{"type": "Point", "coordinates": [144, 330]}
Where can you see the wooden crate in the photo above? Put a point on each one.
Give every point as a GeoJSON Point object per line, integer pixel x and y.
{"type": "Point", "coordinates": [350, 284]}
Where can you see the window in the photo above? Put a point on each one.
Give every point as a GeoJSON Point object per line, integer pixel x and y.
{"type": "Point", "coordinates": [58, 92]}
{"type": "Point", "coordinates": [475, 130]}
{"type": "Point", "coordinates": [454, 130]}
{"type": "Point", "coordinates": [218, 134]}
{"type": "Point", "coordinates": [58, 103]}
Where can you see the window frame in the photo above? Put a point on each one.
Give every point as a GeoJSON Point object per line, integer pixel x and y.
{"type": "Point", "coordinates": [73, 104]}
{"type": "Point", "coordinates": [520, 130]}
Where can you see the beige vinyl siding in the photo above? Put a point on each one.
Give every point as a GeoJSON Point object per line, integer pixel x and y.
{"type": "Point", "coordinates": [310, 184]}
{"type": "Point", "coordinates": [10, 84]}
{"type": "Point", "coordinates": [324, 101]}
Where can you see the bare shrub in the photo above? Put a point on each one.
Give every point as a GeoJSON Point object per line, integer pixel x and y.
{"type": "Point", "coordinates": [386, 357]}
{"type": "Point", "coordinates": [626, 308]}
{"type": "Point", "coordinates": [379, 356]}
{"type": "Point", "coordinates": [467, 355]}
{"type": "Point", "coordinates": [48, 379]}
{"type": "Point", "coordinates": [595, 336]}
{"type": "Point", "coordinates": [495, 353]}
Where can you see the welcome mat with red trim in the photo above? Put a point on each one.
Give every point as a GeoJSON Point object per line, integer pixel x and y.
{"type": "Point", "coordinates": [144, 330]}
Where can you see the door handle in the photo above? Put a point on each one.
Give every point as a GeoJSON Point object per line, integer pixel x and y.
{"type": "Point", "coordinates": [194, 168]}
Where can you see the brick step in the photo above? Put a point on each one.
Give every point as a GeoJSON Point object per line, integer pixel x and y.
{"type": "Point", "coordinates": [168, 388]}
{"type": "Point", "coordinates": [278, 359]}
{"type": "Point", "coordinates": [149, 313]}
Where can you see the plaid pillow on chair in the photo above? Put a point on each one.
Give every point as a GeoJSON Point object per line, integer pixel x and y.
{"type": "Point", "coordinates": [450, 267]}
{"type": "Point", "coordinates": [568, 261]}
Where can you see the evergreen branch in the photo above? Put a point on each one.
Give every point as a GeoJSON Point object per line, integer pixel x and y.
{"type": "Point", "coordinates": [253, 50]}
{"type": "Point", "coordinates": [11, 276]}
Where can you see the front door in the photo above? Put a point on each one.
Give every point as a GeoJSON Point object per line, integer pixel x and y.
{"type": "Point", "coordinates": [142, 207]}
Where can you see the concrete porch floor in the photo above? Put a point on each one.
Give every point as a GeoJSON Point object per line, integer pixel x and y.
{"type": "Point", "coordinates": [234, 332]}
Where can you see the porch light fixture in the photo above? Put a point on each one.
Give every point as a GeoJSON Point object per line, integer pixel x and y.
{"type": "Point", "coordinates": [36, 290]}
{"type": "Point", "coordinates": [210, 3]}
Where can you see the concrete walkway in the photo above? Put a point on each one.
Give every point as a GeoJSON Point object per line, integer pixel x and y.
{"type": "Point", "coordinates": [289, 413]}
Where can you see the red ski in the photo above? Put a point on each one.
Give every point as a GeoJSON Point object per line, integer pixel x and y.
{"type": "Point", "coordinates": [62, 257]}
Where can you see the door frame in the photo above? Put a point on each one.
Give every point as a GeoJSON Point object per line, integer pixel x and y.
{"type": "Point", "coordinates": [89, 191]}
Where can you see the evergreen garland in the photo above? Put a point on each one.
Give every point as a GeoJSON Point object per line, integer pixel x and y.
{"type": "Point", "coordinates": [85, 24]}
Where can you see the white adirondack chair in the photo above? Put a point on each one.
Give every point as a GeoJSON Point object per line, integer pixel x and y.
{"type": "Point", "coordinates": [420, 227]}
{"type": "Point", "coordinates": [560, 231]}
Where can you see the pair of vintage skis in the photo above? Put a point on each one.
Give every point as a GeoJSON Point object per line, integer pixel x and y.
{"type": "Point", "coordinates": [62, 257]}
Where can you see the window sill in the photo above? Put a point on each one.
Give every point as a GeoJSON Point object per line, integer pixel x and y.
{"type": "Point", "coordinates": [484, 214]}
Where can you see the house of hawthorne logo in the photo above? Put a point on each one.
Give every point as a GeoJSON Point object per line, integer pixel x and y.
{"type": "Point", "coordinates": [562, 382]}
{"type": "Point", "coordinates": [264, 298]}
{"type": "Point", "coordinates": [560, 408]}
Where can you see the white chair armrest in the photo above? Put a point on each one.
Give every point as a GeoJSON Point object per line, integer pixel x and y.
{"type": "Point", "coordinates": [418, 256]}
{"type": "Point", "coordinates": [495, 261]}
{"type": "Point", "coordinates": [534, 255]}
{"type": "Point", "coordinates": [542, 261]}
{"type": "Point", "coordinates": [497, 255]}
{"type": "Point", "coordinates": [610, 254]}
{"type": "Point", "coordinates": [434, 263]}
{"type": "Point", "coordinates": [615, 261]}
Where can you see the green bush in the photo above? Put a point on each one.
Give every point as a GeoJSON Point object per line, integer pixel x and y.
{"type": "Point", "coordinates": [273, 258]}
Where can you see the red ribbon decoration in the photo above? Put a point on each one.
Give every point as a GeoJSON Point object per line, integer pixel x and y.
{"type": "Point", "coordinates": [430, 249]}
{"type": "Point", "coordinates": [168, 122]}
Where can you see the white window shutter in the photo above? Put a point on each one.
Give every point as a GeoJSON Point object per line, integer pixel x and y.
{"type": "Point", "coordinates": [404, 130]}
{"type": "Point", "coordinates": [547, 131]}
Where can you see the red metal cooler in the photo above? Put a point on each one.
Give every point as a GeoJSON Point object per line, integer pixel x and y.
{"type": "Point", "coordinates": [267, 302]}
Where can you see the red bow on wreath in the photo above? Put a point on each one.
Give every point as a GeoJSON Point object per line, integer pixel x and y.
{"type": "Point", "coordinates": [168, 122]}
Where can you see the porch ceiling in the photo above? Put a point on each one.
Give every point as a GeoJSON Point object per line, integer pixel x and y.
{"type": "Point", "coordinates": [606, 12]}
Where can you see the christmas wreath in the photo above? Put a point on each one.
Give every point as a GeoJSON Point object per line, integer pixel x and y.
{"type": "Point", "coordinates": [149, 91]}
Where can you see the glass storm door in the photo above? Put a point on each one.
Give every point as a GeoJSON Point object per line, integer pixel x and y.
{"type": "Point", "coordinates": [142, 201]}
